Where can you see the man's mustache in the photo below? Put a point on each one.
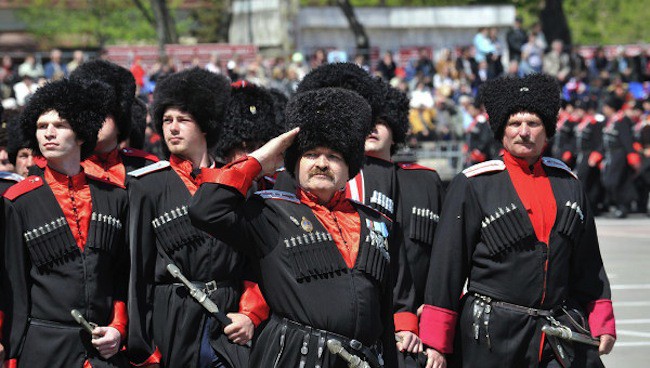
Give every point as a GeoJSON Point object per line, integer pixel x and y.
{"type": "Point", "coordinates": [318, 171]}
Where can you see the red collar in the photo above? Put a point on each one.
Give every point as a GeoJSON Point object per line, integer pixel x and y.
{"type": "Point", "coordinates": [181, 165]}
{"type": "Point", "coordinates": [311, 199]}
{"type": "Point", "coordinates": [53, 176]}
{"type": "Point", "coordinates": [520, 164]}
{"type": "Point", "coordinates": [109, 159]}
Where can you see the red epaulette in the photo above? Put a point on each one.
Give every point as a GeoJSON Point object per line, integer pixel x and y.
{"type": "Point", "coordinates": [40, 161]}
{"type": "Point", "coordinates": [133, 152]}
{"type": "Point", "coordinates": [104, 180]}
{"type": "Point", "coordinates": [30, 183]}
{"type": "Point", "coordinates": [413, 166]}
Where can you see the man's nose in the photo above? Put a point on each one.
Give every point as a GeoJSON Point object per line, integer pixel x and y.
{"type": "Point", "coordinates": [50, 131]}
{"type": "Point", "coordinates": [524, 130]}
{"type": "Point", "coordinates": [322, 161]}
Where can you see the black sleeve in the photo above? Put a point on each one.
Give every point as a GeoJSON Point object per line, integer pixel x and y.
{"type": "Point", "coordinates": [223, 212]}
{"type": "Point", "coordinates": [143, 254]}
{"type": "Point", "coordinates": [15, 282]}
{"type": "Point", "coordinates": [457, 234]}
{"type": "Point", "coordinates": [588, 278]}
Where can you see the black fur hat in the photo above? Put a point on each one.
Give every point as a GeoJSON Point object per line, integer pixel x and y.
{"type": "Point", "coordinates": [335, 118]}
{"type": "Point", "coordinates": [196, 91]}
{"type": "Point", "coordinates": [84, 105]}
{"type": "Point", "coordinates": [349, 76]}
{"type": "Point", "coordinates": [279, 104]}
{"type": "Point", "coordinates": [535, 93]}
{"type": "Point", "coordinates": [122, 85]}
{"type": "Point", "coordinates": [17, 141]}
{"type": "Point", "coordinates": [249, 119]}
{"type": "Point", "coordinates": [614, 102]}
{"type": "Point", "coordinates": [138, 124]}
{"type": "Point", "coordinates": [395, 114]}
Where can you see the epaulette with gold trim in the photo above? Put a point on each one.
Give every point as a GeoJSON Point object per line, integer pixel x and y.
{"type": "Point", "coordinates": [149, 169]}
{"type": "Point", "coordinates": [554, 162]}
{"type": "Point", "coordinates": [484, 167]}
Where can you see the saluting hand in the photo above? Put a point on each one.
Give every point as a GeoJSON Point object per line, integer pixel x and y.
{"type": "Point", "coordinates": [107, 341]}
{"type": "Point", "coordinates": [240, 331]}
{"type": "Point", "coordinates": [270, 155]}
{"type": "Point", "coordinates": [435, 359]}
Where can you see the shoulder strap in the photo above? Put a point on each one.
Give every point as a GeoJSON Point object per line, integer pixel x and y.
{"type": "Point", "coordinates": [484, 167]}
{"type": "Point", "coordinates": [149, 169]}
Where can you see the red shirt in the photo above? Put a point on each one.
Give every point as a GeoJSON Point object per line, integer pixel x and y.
{"type": "Point", "coordinates": [107, 166]}
{"type": "Point", "coordinates": [73, 195]}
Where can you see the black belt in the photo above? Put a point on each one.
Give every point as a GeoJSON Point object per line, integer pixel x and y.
{"type": "Point", "coordinates": [208, 287]}
{"type": "Point", "coordinates": [54, 324]}
{"type": "Point", "coordinates": [356, 346]}
{"type": "Point", "coordinates": [535, 312]}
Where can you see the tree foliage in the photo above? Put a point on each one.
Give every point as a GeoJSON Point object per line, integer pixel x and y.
{"type": "Point", "coordinates": [91, 22]}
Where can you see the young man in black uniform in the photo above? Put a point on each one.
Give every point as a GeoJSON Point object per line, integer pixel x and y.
{"type": "Point", "coordinates": [109, 161]}
{"type": "Point", "coordinates": [520, 232]}
{"type": "Point", "coordinates": [620, 161]}
{"type": "Point", "coordinates": [65, 244]}
{"type": "Point", "coordinates": [169, 327]}
{"type": "Point", "coordinates": [323, 258]}
{"type": "Point", "coordinates": [589, 139]}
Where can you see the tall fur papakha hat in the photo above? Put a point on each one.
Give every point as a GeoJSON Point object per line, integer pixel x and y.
{"type": "Point", "coordinates": [17, 141]}
{"type": "Point", "coordinates": [139, 114]}
{"type": "Point", "coordinates": [349, 76]}
{"type": "Point", "coordinates": [279, 104]}
{"type": "Point", "coordinates": [84, 105]}
{"type": "Point", "coordinates": [535, 93]}
{"type": "Point", "coordinates": [335, 118]}
{"type": "Point", "coordinates": [395, 114]}
{"type": "Point", "coordinates": [249, 119]}
{"type": "Point", "coordinates": [203, 94]}
{"type": "Point", "coordinates": [122, 85]}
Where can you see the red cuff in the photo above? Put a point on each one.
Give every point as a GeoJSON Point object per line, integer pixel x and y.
{"type": "Point", "coordinates": [252, 303]}
{"type": "Point", "coordinates": [120, 318]}
{"type": "Point", "coordinates": [11, 363]}
{"type": "Point", "coordinates": [595, 157]}
{"type": "Point", "coordinates": [567, 156]}
{"type": "Point", "coordinates": [601, 318]}
{"type": "Point", "coordinates": [406, 321]}
{"type": "Point", "coordinates": [208, 175]}
{"type": "Point", "coordinates": [637, 146]}
{"type": "Point", "coordinates": [240, 174]}
{"type": "Point", "coordinates": [2, 321]}
{"type": "Point", "coordinates": [153, 359]}
{"type": "Point", "coordinates": [438, 327]}
{"type": "Point", "coordinates": [633, 159]}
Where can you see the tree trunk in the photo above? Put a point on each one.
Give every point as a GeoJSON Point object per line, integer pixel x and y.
{"type": "Point", "coordinates": [360, 36]}
{"type": "Point", "coordinates": [554, 22]}
{"type": "Point", "coordinates": [165, 26]}
{"type": "Point", "coordinates": [225, 19]}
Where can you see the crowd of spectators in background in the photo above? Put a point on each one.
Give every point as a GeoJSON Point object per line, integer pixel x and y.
{"type": "Point", "coordinates": [441, 84]}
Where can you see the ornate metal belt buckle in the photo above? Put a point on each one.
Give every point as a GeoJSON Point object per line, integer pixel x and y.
{"type": "Point", "coordinates": [210, 287]}
{"type": "Point", "coordinates": [356, 344]}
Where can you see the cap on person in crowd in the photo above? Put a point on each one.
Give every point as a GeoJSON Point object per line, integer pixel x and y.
{"type": "Point", "coordinates": [279, 104]}
{"type": "Point", "coordinates": [84, 105]}
{"type": "Point", "coordinates": [614, 102]}
{"type": "Point", "coordinates": [349, 76]}
{"type": "Point", "coordinates": [122, 86]}
{"type": "Point", "coordinates": [196, 91]}
{"type": "Point", "coordinates": [335, 118]}
{"type": "Point", "coordinates": [535, 93]}
{"type": "Point", "coordinates": [395, 115]}
{"type": "Point", "coordinates": [249, 121]}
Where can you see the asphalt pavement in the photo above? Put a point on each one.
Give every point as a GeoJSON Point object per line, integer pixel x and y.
{"type": "Point", "coordinates": [625, 247]}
